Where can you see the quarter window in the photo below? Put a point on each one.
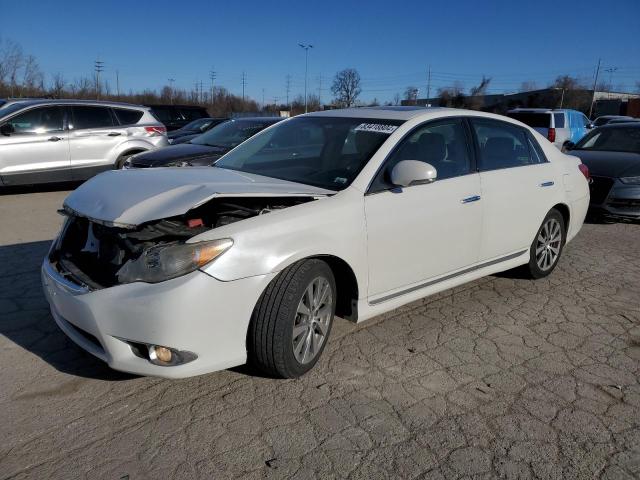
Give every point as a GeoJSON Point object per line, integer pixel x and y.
{"type": "Point", "coordinates": [91, 117]}
{"type": "Point", "coordinates": [502, 145]}
{"type": "Point", "coordinates": [441, 144]}
{"type": "Point", "coordinates": [127, 117]}
{"type": "Point", "coordinates": [38, 120]}
{"type": "Point", "coordinates": [558, 120]}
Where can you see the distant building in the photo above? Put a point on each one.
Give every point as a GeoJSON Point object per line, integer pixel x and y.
{"type": "Point", "coordinates": [606, 103]}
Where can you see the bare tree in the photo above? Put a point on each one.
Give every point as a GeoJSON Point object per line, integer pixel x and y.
{"type": "Point", "coordinates": [638, 86]}
{"type": "Point", "coordinates": [528, 85]}
{"type": "Point", "coordinates": [11, 61]}
{"type": "Point", "coordinates": [396, 99]}
{"type": "Point", "coordinates": [57, 85]}
{"type": "Point", "coordinates": [346, 87]}
{"type": "Point", "coordinates": [480, 89]}
{"type": "Point", "coordinates": [411, 95]}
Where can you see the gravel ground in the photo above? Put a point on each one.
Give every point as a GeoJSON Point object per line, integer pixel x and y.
{"type": "Point", "coordinates": [503, 377]}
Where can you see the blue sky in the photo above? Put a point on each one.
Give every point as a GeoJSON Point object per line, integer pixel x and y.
{"type": "Point", "coordinates": [391, 44]}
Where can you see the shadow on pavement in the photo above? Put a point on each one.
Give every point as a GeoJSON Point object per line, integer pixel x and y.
{"type": "Point", "coordinates": [25, 317]}
{"type": "Point", "coordinates": [46, 187]}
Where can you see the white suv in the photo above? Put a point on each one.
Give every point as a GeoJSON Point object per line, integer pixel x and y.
{"type": "Point", "coordinates": [44, 141]}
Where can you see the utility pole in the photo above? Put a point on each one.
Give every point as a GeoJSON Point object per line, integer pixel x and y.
{"type": "Point", "coordinates": [610, 71]}
{"type": "Point", "coordinates": [244, 83]}
{"type": "Point", "coordinates": [212, 77]}
{"type": "Point", "coordinates": [320, 90]}
{"type": "Point", "coordinates": [288, 89]}
{"type": "Point", "coordinates": [99, 67]}
{"type": "Point", "coordinates": [117, 83]}
{"type": "Point", "coordinates": [593, 96]}
{"type": "Point", "coordinates": [306, 48]}
{"type": "Point", "coordinates": [263, 98]}
{"type": "Point", "coordinates": [171, 81]}
{"type": "Point", "coordinates": [429, 84]}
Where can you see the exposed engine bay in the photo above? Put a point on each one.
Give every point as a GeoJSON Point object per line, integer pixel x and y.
{"type": "Point", "coordinates": [93, 254]}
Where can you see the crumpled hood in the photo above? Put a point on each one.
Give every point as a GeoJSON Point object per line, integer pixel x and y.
{"type": "Point", "coordinates": [127, 198]}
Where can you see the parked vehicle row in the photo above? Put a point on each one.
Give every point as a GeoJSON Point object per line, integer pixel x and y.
{"type": "Point", "coordinates": [351, 212]}
{"type": "Point", "coordinates": [45, 141]}
{"type": "Point", "coordinates": [612, 153]}
{"type": "Point", "coordinates": [204, 149]}
{"type": "Point", "coordinates": [193, 129]}
{"type": "Point", "coordinates": [559, 126]}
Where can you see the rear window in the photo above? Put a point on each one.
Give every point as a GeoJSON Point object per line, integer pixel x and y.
{"type": "Point", "coordinates": [127, 117]}
{"type": "Point", "coordinates": [165, 114]}
{"type": "Point", "coordinates": [535, 120]}
{"type": "Point", "coordinates": [193, 113]}
{"type": "Point", "coordinates": [559, 118]}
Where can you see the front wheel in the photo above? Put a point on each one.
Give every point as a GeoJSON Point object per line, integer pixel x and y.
{"type": "Point", "coordinates": [547, 245]}
{"type": "Point", "coordinates": [292, 320]}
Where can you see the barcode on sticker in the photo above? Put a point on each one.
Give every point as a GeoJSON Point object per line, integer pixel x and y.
{"type": "Point", "coordinates": [375, 127]}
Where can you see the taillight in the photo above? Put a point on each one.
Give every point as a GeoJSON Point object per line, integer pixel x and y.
{"type": "Point", "coordinates": [585, 171]}
{"type": "Point", "coordinates": [552, 135]}
{"type": "Point", "coordinates": [156, 130]}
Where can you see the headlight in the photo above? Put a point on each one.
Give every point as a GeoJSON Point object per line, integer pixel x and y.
{"type": "Point", "coordinates": [631, 180]}
{"type": "Point", "coordinates": [179, 163]}
{"type": "Point", "coordinates": [163, 262]}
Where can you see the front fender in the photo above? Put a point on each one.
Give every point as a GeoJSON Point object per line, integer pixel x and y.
{"type": "Point", "coordinates": [269, 243]}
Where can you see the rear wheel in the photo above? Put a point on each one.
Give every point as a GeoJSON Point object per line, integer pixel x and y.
{"type": "Point", "coordinates": [547, 245]}
{"type": "Point", "coordinates": [292, 320]}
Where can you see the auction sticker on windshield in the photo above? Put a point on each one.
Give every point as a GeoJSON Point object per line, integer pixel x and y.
{"type": "Point", "coordinates": [375, 127]}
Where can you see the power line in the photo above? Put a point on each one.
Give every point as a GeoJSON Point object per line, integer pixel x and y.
{"type": "Point", "coordinates": [99, 68]}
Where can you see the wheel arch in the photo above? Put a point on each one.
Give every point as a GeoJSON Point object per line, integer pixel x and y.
{"type": "Point", "coordinates": [347, 293]}
{"type": "Point", "coordinates": [566, 215]}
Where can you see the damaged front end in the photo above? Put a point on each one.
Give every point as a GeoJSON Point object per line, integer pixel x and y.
{"type": "Point", "coordinates": [98, 255]}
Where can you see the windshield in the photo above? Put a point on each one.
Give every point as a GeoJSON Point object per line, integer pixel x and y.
{"type": "Point", "coordinates": [619, 139]}
{"type": "Point", "coordinates": [197, 124]}
{"type": "Point", "coordinates": [230, 133]}
{"type": "Point", "coordinates": [320, 151]}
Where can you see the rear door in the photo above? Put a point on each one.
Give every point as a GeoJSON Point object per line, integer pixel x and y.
{"type": "Point", "coordinates": [517, 181]}
{"type": "Point", "coordinates": [94, 135]}
{"type": "Point", "coordinates": [38, 149]}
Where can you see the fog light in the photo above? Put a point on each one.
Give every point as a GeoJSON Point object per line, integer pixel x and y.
{"type": "Point", "coordinates": [162, 354]}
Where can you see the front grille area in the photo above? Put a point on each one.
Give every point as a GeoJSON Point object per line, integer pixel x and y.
{"type": "Point", "coordinates": [599, 189]}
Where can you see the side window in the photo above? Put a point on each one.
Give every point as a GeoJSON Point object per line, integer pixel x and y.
{"type": "Point", "coordinates": [559, 120]}
{"type": "Point", "coordinates": [165, 114]}
{"type": "Point", "coordinates": [537, 155]}
{"type": "Point", "coordinates": [585, 120]}
{"type": "Point", "coordinates": [38, 120]}
{"type": "Point", "coordinates": [91, 117]}
{"type": "Point", "coordinates": [127, 117]}
{"type": "Point", "coordinates": [192, 113]}
{"type": "Point", "coordinates": [442, 144]}
{"type": "Point", "coordinates": [501, 145]}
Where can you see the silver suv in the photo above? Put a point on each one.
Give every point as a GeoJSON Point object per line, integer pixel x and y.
{"type": "Point", "coordinates": [44, 141]}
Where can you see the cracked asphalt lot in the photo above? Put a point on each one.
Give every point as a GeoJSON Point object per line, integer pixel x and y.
{"type": "Point", "coordinates": [503, 377]}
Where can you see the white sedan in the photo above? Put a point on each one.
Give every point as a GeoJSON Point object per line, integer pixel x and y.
{"type": "Point", "coordinates": [176, 272]}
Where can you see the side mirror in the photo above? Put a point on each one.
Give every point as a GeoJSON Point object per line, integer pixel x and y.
{"type": "Point", "coordinates": [568, 146]}
{"type": "Point", "coordinates": [590, 125]}
{"type": "Point", "coordinates": [7, 129]}
{"type": "Point", "coordinates": [413, 172]}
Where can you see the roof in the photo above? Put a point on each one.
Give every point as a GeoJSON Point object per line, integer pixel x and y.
{"type": "Point", "coordinates": [69, 101]}
{"type": "Point", "coordinates": [542, 110]}
{"type": "Point", "coordinates": [258, 119]}
{"type": "Point", "coordinates": [629, 124]}
{"type": "Point", "coordinates": [389, 113]}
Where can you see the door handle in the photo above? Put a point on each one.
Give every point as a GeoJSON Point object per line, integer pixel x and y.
{"type": "Point", "coordinates": [473, 198]}
{"type": "Point", "coordinates": [550, 183]}
{"type": "Point", "coordinates": [54, 139]}
{"type": "Point", "coordinates": [114, 134]}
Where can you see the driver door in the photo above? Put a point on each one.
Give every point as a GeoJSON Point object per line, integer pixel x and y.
{"type": "Point", "coordinates": [419, 233]}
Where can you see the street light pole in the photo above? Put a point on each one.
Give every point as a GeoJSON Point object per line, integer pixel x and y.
{"type": "Point", "coordinates": [306, 70]}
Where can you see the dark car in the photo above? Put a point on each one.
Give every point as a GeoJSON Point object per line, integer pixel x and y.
{"type": "Point", "coordinates": [177, 116]}
{"type": "Point", "coordinates": [612, 153]}
{"type": "Point", "coordinates": [193, 129]}
{"type": "Point", "coordinates": [205, 149]}
{"type": "Point", "coordinates": [605, 119]}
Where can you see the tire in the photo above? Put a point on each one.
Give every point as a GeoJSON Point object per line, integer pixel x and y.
{"type": "Point", "coordinates": [271, 343]}
{"type": "Point", "coordinates": [123, 158]}
{"type": "Point", "coordinates": [546, 248]}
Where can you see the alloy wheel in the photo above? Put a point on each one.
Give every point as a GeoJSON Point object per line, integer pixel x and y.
{"type": "Point", "coordinates": [312, 321]}
{"type": "Point", "coordinates": [548, 244]}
